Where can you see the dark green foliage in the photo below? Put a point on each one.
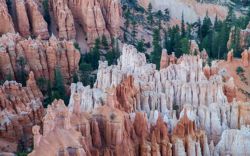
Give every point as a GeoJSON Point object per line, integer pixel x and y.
{"type": "Point", "coordinates": [206, 26]}
{"type": "Point", "coordinates": [112, 55]}
{"type": "Point", "coordinates": [59, 91]}
{"type": "Point", "coordinates": [22, 74]}
{"type": "Point", "coordinates": [46, 11]}
{"type": "Point", "coordinates": [240, 70]}
{"type": "Point", "coordinates": [42, 84]}
{"type": "Point", "coordinates": [75, 78]}
{"type": "Point", "coordinates": [155, 56]}
{"type": "Point", "coordinates": [235, 42]}
{"type": "Point", "coordinates": [76, 45]}
{"type": "Point", "coordinates": [93, 56]}
{"type": "Point", "coordinates": [105, 43]}
{"type": "Point", "coordinates": [140, 46]}
{"type": "Point", "coordinates": [183, 31]}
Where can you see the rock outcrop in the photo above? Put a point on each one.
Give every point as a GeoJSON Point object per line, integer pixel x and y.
{"type": "Point", "coordinates": [64, 19]}
{"type": "Point", "coordinates": [26, 17]}
{"type": "Point", "coordinates": [21, 108]}
{"type": "Point", "coordinates": [6, 20]}
{"type": "Point", "coordinates": [96, 18]}
{"type": "Point", "coordinates": [41, 57]}
{"type": "Point", "coordinates": [245, 57]}
{"type": "Point", "coordinates": [172, 111]}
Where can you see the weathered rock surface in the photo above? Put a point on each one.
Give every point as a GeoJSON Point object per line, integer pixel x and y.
{"type": "Point", "coordinates": [167, 90]}
{"type": "Point", "coordinates": [6, 20]}
{"type": "Point", "coordinates": [21, 108]}
{"type": "Point", "coordinates": [96, 18]}
{"type": "Point", "coordinates": [27, 18]}
{"type": "Point", "coordinates": [234, 142]}
{"type": "Point", "coordinates": [174, 111]}
{"type": "Point", "coordinates": [41, 57]}
{"type": "Point", "coordinates": [245, 57]}
{"type": "Point", "coordinates": [64, 19]}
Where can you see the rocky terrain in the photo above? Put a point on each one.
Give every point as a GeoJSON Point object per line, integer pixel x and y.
{"type": "Point", "coordinates": [176, 89]}
{"type": "Point", "coordinates": [41, 57]}
{"type": "Point", "coordinates": [174, 111]}
{"type": "Point", "coordinates": [21, 108]}
{"type": "Point", "coordinates": [93, 18]}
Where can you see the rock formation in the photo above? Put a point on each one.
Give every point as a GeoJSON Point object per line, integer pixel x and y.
{"type": "Point", "coordinates": [21, 108]}
{"type": "Point", "coordinates": [164, 59]}
{"type": "Point", "coordinates": [22, 19]}
{"type": "Point", "coordinates": [245, 58]}
{"type": "Point", "coordinates": [172, 111]}
{"type": "Point", "coordinates": [41, 57]}
{"type": "Point", "coordinates": [63, 19]}
{"type": "Point", "coordinates": [95, 17]}
{"type": "Point", "coordinates": [6, 20]}
{"type": "Point", "coordinates": [230, 56]}
{"type": "Point", "coordinates": [38, 24]}
{"type": "Point", "coordinates": [27, 18]}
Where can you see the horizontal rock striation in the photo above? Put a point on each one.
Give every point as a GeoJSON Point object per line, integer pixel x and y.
{"type": "Point", "coordinates": [41, 57]}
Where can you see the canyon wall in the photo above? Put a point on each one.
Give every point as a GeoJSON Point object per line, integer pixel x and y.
{"type": "Point", "coordinates": [95, 17]}
{"type": "Point", "coordinates": [41, 57]}
{"type": "Point", "coordinates": [25, 19]}
{"type": "Point", "coordinates": [21, 108]}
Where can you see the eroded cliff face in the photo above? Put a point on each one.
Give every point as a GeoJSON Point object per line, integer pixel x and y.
{"type": "Point", "coordinates": [41, 57]}
{"type": "Point", "coordinates": [174, 111]}
{"type": "Point", "coordinates": [95, 17]}
{"type": "Point", "coordinates": [21, 108]}
{"type": "Point", "coordinates": [25, 19]}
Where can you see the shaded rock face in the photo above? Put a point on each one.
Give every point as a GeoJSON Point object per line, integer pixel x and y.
{"type": "Point", "coordinates": [41, 57]}
{"type": "Point", "coordinates": [96, 18]}
{"type": "Point", "coordinates": [21, 108]}
{"type": "Point", "coordinates": [26, 17]}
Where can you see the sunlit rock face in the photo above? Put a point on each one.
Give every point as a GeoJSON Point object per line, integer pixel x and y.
{"type": "Point", "coordinates": [21, 108]}
{"type": "Point", "coordinates": [134, 109]}
{"type": "Point", "coordinates": [41, 57]}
